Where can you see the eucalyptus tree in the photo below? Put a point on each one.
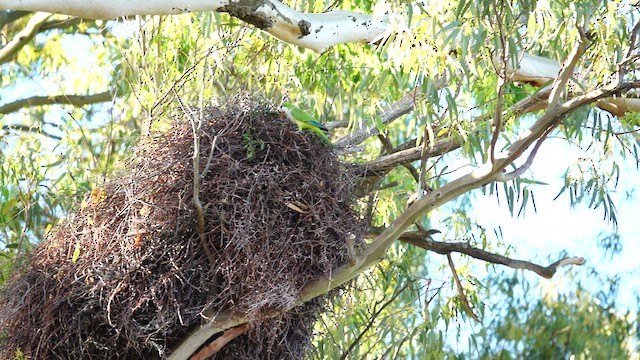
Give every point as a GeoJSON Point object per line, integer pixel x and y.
{"type": "Point", "coordinates": [448, 100]}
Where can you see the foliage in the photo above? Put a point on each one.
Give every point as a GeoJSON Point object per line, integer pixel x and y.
{"type": "Point", "coordinates": [50, 156]}
{"type": "Point", "coordinates": [556, 325]}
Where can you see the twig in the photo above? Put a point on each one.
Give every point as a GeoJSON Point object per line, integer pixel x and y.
{"type": "Point", "coordinates": [196, 179]}
{"type": "Point", "coordinates": [210, 158]}
{"type": "Point", "coordinates": [622, 65]}
{"type": "Point", "coordinates": [36, 128]}
{"type": "Point", "coordinates": [397, 109]}
{"type": "Point", "coordinates": [519, 171]}
{"type": "Point", "coordinates": [463, 298]}
{"type": "Point", "coordinates": [502, 83]}
{"type": "Point", "coordinates": [372, 319]}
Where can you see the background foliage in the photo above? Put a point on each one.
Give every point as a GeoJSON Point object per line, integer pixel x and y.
{"type": "Point", "coordinates": [407, 306]}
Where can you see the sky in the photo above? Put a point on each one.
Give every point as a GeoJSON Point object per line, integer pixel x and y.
{"type": "Point", "coordinates": [556, 226]}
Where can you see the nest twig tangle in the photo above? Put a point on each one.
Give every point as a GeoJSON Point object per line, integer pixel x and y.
{"type": "Point", "coordinates": [126, 276]}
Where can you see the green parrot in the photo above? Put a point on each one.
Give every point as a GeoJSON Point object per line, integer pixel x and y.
{"type": "Point", "coordinates": [304, 120]}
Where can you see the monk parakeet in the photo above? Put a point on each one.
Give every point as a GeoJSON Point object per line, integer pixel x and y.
{"type": "Point", "coordinates": [304, 120]}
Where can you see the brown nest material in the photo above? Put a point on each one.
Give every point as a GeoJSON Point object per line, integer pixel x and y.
{"type": "Point", "coordinates": [126, 276]}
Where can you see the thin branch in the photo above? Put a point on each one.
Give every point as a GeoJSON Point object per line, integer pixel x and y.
{"type": "Point", "coordinates": [75, 100]}
{"type": "Point", "coordinates": [23, 37]}
{"type": "Point", "coordinates": [428, 139]}
{"type": "Point", "coordinates": [630, 57]}
{"type": "Point", "coordinates": [395, 111]}
{"type": "Point", "coordinates": [196, 128]}
{"type": "Point", "coordinates": [444, 248]}
{"type": "Point", "coordinates": [26, 129]}
{"type": "Point", "coordinates": [61, 24]}
{"type": "Point", "coordinates": [502, 83]}
{"type": "Point", "coordinates": [461, 295]}
{"type": "Point", "coordinates": [372, 319]}
{"type": "Point", "coordinates": [519, 171]}
{"type": "Point", "coordinates": [633, 39]}
{"type": "Point", "coordinates": [566, 70]}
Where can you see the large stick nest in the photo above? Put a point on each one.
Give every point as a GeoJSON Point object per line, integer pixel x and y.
{"type": "Point", "coordinates": [126, 276]}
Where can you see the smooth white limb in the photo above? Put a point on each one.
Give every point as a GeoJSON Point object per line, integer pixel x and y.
{"type": "Point", "coordinates": [312, 31]}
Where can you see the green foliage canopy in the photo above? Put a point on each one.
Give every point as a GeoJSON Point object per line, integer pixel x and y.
{"type": "Point", "coordinates": [454, 56]}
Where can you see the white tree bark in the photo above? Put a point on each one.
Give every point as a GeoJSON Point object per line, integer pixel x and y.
{"type": "Point", "coordinates": [313, 31]}
{"type": "Point", "coordinates": [538, 70]}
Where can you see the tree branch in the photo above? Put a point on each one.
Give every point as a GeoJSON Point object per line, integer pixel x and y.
{"type": "Point", "coordinates": [397, 109]}
{"type": "Point", "coordinates": [75, 100]}
{"type": "Point", "coordinates": [25, 128]}
{"type": "Point", "coordinates": [445, 248]}
{"type": "Point", "coordinates": [567, 69]}
{"type": "Point", "coordinates": [312, 31]}
{"type": "Point", "coordinates": [519, 171]}
{"type": "Point", "coordinates": [463, 298]}
{"type": "Point", "coordinates": [61, 24]}
{"type": "Point", "coordinates": [23, 37]}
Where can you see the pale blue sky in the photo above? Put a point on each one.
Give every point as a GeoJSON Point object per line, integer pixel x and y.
{"type": "Point", "coordinates": [558, 227]}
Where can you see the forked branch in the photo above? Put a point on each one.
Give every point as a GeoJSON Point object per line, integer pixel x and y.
{"type": "Point", "coordinates": [446, 248]}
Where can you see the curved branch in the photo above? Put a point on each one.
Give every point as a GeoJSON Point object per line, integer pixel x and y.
{"type": "Point", "coordinates": [75, 100]}
{"type": "Point", "coordinates": [463, 298]}
{"type": "Point", "coordinates": [61, 24]}
{"type": "Point", "coordinates": [312, 31]}
{"type": "Point", "coordinates": [23, 37]}
{"type": "Point", "coordinates": [215, 346]}
{"type": "Point", "coordinates": [445, 248]}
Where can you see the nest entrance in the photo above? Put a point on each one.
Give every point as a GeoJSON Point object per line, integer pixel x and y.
{"type": "Point", "coordinates": [126, 275]}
